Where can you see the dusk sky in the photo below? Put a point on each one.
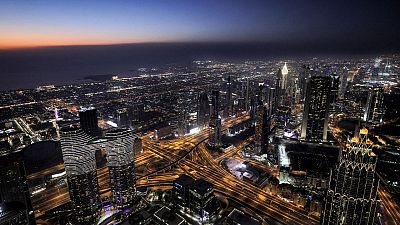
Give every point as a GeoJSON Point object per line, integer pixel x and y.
{"type": "Point", "coordinates": [47, 22]}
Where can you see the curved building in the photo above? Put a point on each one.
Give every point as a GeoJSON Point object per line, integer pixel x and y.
{"type": "Point", "coordinates": [80, 166]}
{"type": "Point", "coordinates": [120, 161]}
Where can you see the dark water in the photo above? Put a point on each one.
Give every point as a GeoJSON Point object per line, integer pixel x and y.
{"type": "Point", "coordinates": [30, 68]}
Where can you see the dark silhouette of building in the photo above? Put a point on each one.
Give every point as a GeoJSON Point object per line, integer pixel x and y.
{"type": "Point", "coordinates": [203, 113]}
{"type": "Point", "coordinates": [88, 121]}
{"type": "Point", "coordinates": [215, 122]}
{"type": "Point", "coordinates": [352, 194]}
{"type": "Point", "coordinates": [123, 120]}
{"type": "Point", "coordinates": [262, 127]}
{"type": "Point", "coordinates": [14, 192]}
{"type": "Point", "coordinates": [314, 125]}
{"type": "Point", "coordinates": [374, 106]}
{"type": "Point", "coordinates": [229, 103]}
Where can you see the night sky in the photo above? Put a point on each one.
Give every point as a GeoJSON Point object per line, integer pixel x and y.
{"type": "Point", "coordinates": [325, 24]}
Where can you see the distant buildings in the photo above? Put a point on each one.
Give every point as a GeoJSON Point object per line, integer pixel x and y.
{"type": "Point", "coordinates": [215, 122]}
{"type": "Point", "coordinates": [373, 111]}
{"type": "Point", "coordinates": [314, 126]}
{"type": "Point", "coordinates": [352, 194]}
{"type": "Point", "coordinates": [120, 162]}
{"type": "Point", "coordinates": [88, 121]}
{"type": "Point", "coordinates": [80, 166]}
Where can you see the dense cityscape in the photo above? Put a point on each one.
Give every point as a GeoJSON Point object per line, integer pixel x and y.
{"type": "Point", "coordinates": [212, 112]}
{"type": "Point", "coordinates": [254, 142]}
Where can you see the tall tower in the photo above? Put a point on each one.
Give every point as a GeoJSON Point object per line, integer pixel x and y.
{"type": "Point", "coordinates": [228, 106]}
{"type": "Point", "coordinates": [262, 127]}
{"type": "Point", "coordinates": [352, 194]}
{"type": "Point", "coordinates": [314, 126]}
{"type": "Point", "coordinates": [123, 118]}
{"type": "Point", "coordinates": [88, 121]}
{"type": "Point", "coordinates": [120, 162]}
{"type": "Point", "coordinates": [215, 121]}
{"type": "Point", "coordinates": [203, 113]}
{"type": "Point", "coordinates": [374, 105]}
{"type": "Point", "coordinates": [80, 166]}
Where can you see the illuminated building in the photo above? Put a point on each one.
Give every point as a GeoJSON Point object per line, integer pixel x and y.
{"type": "Point", "coordinates": [314, 126]}
{"type": "Point", "coordinates": [15, 203]}
{"type": "Point", "coordinates": [80, 166]}
{"type": "Point", "coordinates": [88, 121]}
{"type": "Point", "coordinates": [281, 85]}
{"type": "Point", "coordinates": [268, 98]}
{"type": "Point", "coordinates": [352, 194]}
{"type": "Point", "coordinates": [334, 88]}
{"type": "Point", "coordinates": [374, 106]}
{"type": "Point", "coordinates": [122, 118]}
{"type": "Point", "coordinates": [196, 196]}
{"type": "Point", "coordinates": [215, 122]}
{"type": "Point", "coordinates": [203, 112]}
{"type": "Point", "coordinates": [136, 112]}
{"type": "Point", "coordinates": [228, 105]}
{"type": "Point", "coordinates": [120, 162]}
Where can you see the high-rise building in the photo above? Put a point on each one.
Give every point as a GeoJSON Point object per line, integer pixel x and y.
{"type": "Point", "coordinates": [203, 113]}
{"type": "Point", "coordinates": [88, 121]}
{"type": "Point", "coordinates": [268, 98]}
{"type": "Point", "coordinates": [215, 122]}
{"type": "Point", "coordinates": [123, 118]}
{"type": "Point", "coordinates": [281, 85]}
{"type": "Point", "coordinates": [334, 88]}
{"type": "Point", "coordinates": [15, 203]}
{"type": "Point", "coordinates": [80, 166]}
{"type": "Point", "coordinates": [136, 112]}
{"type": "Point", "coordinates": [304, 76]}
{"type": "Point", "coordinates": [374, 106]}
{"type": "Point", "coordinates": [352, 194]}
{"type": "Point", "coordinates": [262, 127]}
{"type": "Point", "coordinates": [314, 126]}
{"type": "Point", "coordinates": [229, 104]}
{"type": "Point", "coordinates": [120, 162]}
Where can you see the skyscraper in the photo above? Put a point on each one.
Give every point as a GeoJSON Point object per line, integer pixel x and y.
{"type": "Point", "coordinates": [352, 194]}
{"type": "Point", "coordinates": [203, 112]}
{"type": "Point", "coordinates": [334, 88]}
{"type": "Point", "coordinates": [80, 166]}
{"type": "Point", "coordinates": [120, 162]}
{"type": "Point", "coordinates": [15, 203]}
{"type": "Point", "coordinates": [215, 121]}
{"type": "Point", "coordinates": [262, 127]}
{"type": "Point", "coordinates": [88, 121]}
{"type": "Point", "coordinates": [374, 106]}
{"type": "Point", "coordinates": [314, 126]}
{"type": "Point", "coordinates": [229, 104]}
{"type": "Point", "coordinates": [122, 118]}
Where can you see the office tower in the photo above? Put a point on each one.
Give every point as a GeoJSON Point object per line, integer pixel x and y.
{"type": "Point", "coordinates": [334, 88]}
{"type": "Point", "coordinates": [352, 194]}
{"type": "Point", "coordinates": [284, 77]}
{"type": "Point", "coordinates": [247, 94]}
{"type": "Point", "coordinates": [197, 196]}
{"type": "Point", "coordinates": [215, 122]}
{"type": "Point", "coordinates": [314, 126]}
{"type": "Point", "coordinates": [15, 203]}
{"type": "Point", "coordinates": [122, 118]}
{"type": "Point", "coordinates": [202, 200]}
{"type": "Point", "coordinates": [182, 123]}
{"type": "Point", "coordinates": [268, 97]}
{"type": "Point", "coordinates": [374, 106]}
{"type": "Point", "coordinates": [304, 76]}
{"type": "Point", "coordinates": [120, 162]}
{"type": "Point", "coordinates": [80, 166]}
{"type": "Point", "coordinates": [88, 121]}
{"type": "Point", "coordinates": [203, 112]}
{"type": "Point", "coordinates": [229, 104]}
{"type": "Point", "coordinates": [136, 112]}
{"type": "Point", "coordinates": [262, 127]}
